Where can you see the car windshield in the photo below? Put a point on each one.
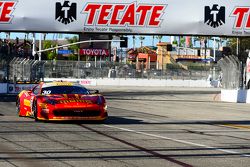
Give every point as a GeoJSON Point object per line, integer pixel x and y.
{"type": "Point", "coordinates": [64, 90]}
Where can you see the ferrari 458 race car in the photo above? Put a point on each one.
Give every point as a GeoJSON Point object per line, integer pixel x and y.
{"type": "Point", "coordinates": [61, 101]}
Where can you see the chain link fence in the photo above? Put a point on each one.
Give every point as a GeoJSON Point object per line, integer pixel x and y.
{"type": "Point", "coordinates": [21, 69]}
{"type": "Point", "coordinates": [3, 70]}
{"type": "Point", "coordinates": [231, 72]}
{"type": "Point", "coordinates": [26, 70]}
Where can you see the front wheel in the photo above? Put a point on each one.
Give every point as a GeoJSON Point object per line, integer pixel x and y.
{"type": "Point", "coordinates": [248, 84]}
{"type": "Point", "coordinates": [18, 107]}
{"type": "Point", "coordinates": [34, 108]}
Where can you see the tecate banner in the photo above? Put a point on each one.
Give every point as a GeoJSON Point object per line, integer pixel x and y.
{"type": "Point", "coordinates": [182, 17]}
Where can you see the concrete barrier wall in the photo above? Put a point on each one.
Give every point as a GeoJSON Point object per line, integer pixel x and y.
{"type": "Point", "coordinates": [235, 96]}
{"type": "Point", "coordinates": [137, 82]}
{"type": "Point", "coordinates": [3, 87]}
{"type": "Point", "coordinates": [9, 88]}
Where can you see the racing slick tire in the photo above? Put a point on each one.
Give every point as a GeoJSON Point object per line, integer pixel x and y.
{"type": "Point", "coordinates": [18, 107]}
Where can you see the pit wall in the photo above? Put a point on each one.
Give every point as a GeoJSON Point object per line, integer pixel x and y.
{"type": "Point", "coordinates": [235, 96]}
{"type": "Point", "coordinates": [14, 89]}
{"type": "Point", "coordinates": [138, 82]}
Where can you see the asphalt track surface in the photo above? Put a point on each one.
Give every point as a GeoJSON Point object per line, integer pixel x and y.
{"type": "Point", "coordinates": [159, 128]}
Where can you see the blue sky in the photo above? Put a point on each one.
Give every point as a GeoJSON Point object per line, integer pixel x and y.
{"type": "Point", "coordinates": [148, 39]}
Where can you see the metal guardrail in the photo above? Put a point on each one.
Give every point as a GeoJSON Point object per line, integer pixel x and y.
{"type": "Point", "coordinates": [21, 69]}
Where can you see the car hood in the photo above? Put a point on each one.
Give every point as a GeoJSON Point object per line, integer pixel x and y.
{"type": "Point", "coordinates": [72, 98]}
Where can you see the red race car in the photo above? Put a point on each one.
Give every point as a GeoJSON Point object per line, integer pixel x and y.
{"type": "Point", "coordinates": [61, 101]}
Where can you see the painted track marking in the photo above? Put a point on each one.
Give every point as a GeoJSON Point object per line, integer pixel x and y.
{"type": "Point", "coordinates": [236, 126]}
{"type": "Point", "coordinates": [179, 141]}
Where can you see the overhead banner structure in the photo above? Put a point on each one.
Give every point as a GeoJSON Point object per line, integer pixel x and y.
{"type": "Point", "coordinates": [183, 17]}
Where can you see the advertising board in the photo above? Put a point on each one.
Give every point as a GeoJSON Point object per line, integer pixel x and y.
{"type": "Point", "coordinates": [197, 17]}
{"type": "Point", "coordinates": [15, 89]}
{"type": "Point", "coordinates": [94, 52]}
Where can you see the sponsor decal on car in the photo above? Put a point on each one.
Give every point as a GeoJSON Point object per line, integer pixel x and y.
{"type": "Point", "coordinates": [26, 102]}
{"type": "Point", "coordinates": [43, 105]}
{"type": "Point", "coordinates": [60, 84]}
{"type": "Point", "coordinates": [75, 101]}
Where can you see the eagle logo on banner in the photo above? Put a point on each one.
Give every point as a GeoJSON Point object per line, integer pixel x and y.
{"type": "Point", "coordinates": [215, 16]}
{"type": "Point", "coordinates": [65, 13]}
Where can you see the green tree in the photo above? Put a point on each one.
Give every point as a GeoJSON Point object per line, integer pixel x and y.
{"type": "Point", "coordinates": [49, 54]}
{"type": "Point", "coordinates": [175, 42]}
{"type": "Point", "coordinates": [74, 48]}
{"type": "Point", "coordinates": [243, 46]}
{"type": "Point", "coordinates": [159, 37]}
{"type": "Point", "coordinates": [182, 41]}
{"type": "Point", "coordinates": [142, 38]}
{"type": "Point", "coordinates": [72, 57]}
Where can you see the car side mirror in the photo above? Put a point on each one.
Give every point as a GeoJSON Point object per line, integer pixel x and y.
{"type": "Point", "coordinates": [94, 91]}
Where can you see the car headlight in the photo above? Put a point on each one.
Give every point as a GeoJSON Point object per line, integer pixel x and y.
{"type": "Point", "coordinates": [105, 107]}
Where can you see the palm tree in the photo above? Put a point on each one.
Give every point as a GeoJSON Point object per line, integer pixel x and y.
{"type": "Point", "coordinates": [142, 38]}
{"type": "Point", "coordinates": [153, 41]}
{"type": "Point", "coordinates": [134, 38]}
{"type": "Point", "coordinates": [74, 39]}
{"type": "Point", "coordinates": [181, 41]}
{"type": "Point", "coordinates": [159, 37]}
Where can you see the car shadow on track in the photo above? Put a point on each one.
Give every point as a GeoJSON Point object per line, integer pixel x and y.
{"type": "Point", "coordinates": [114, 120]}
{"type": "Point", "coordinates": [110, 120]}
{"type": "Point", "coordinates": [8, 98]}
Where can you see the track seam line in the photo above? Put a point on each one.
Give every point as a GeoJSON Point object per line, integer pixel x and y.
{"type": "Point", "coordinates": [139, 147]}
{"type": "Point", "coordinates": [180, 141]}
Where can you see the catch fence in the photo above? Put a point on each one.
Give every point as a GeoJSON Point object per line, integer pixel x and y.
{"type": "Point", "coordinates": [231, 72]}
{"type": "Point", "coordinates": [33, 70]}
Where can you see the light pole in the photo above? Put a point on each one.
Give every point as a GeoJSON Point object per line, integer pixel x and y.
{"type": "Point", "coordinates": [205, 43]}
{"type": "Point", "coordinates": [34, 45]}
{"type": "Point", "coordinates": [133, 41]}
{"type": "Point", "coordinates": [214, 49]}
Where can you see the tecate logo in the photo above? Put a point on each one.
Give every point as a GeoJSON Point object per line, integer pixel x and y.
{"type": "Point", "coordinates": [123, 14]}
{"type": "Point", "coordinates": [242, 17]}
{"type": "Point", "coordinates": [66, 12]}
{"type": "Point", "coordinates": [6, 10]}
{"type": "Point", "coordinates": [215, 16]}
